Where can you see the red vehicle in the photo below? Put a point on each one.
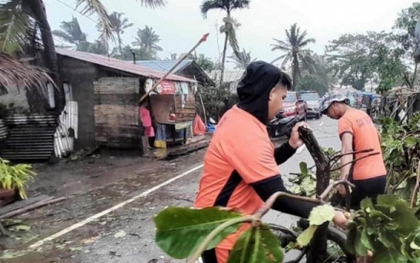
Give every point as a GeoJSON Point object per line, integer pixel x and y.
{"type": "Point", "coordinates": [293, 105]}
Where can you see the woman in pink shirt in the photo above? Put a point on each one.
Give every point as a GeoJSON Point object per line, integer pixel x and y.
{"type": "Point", "coordinates": [146, 120]}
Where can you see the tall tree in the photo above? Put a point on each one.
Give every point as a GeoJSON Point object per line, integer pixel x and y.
{"type": "Point", "coordinates": [119, 24]}
{"type": "Point", "coordinates": [230, 24]}
{"type": "Point", "coordinates": [148, 40]}
{"type": "Point", "coordinates": [72, 33]}
{"type": "Point", "coordinates": [242, 59]}
{"type": "Point", "coordinates": [360, 58]}
{"type": "Point", "coordinates": [22, 19]}
{"type": "Point", "coordinates": [409, 35]}
{"type": "Point", "coordinates": [295, 48]}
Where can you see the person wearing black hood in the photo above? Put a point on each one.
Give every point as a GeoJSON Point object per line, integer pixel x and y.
{"type": "Point", "coordinates": [241, 164]}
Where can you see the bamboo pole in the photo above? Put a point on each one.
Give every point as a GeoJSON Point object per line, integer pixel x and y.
{"type": "Point", "coordinates": [203, 39]}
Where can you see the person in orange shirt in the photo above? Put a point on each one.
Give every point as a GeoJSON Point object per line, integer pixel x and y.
{"type": "Point", "coordinates": [357, 132]}
{"type": "Point", "coordinates": [241, 164]}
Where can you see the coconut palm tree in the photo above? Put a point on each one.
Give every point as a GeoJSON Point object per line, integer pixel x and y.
{"type": "Point", "coordinates": [295, 48]}
{"type": "Point", "coordinates": [242, 59]}
{"type": "Point", "coordinates": [72, 33]}
{"type": "Point", "coordinates": [148, 39]}
{"type": "Point", "coordinates": [230, 24]}
{"type": "Point", "coordinates": [20, 20]}
{"type": "Point", "coordinates": [119, 24]}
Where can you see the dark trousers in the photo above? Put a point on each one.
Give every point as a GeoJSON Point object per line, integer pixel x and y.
{"type": "Point", "coordinates": [364, 188]}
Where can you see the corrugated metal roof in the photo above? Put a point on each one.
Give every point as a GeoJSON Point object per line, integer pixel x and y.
{"type": "Point", "coordinates": [121, 65]}
{"type": "Point", "coordinates": [164, 65]}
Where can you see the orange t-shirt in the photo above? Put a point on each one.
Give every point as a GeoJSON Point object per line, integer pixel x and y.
{"type": "Point", "coordinates": [240, 153]}
{"type": "Point", "coordinates": [365, 136]}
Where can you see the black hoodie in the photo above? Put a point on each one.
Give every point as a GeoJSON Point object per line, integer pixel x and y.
{"type": "Point", "coordinates": [254, 89]}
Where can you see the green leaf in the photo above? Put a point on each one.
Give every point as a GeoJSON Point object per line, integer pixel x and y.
{"type": "Point", "coordinates": [366, 240]}
{"type": "Point", "coordinates": [359, 247]}
{"type": "Point", "coordinates": [305, 237]}
{"type": "Point", "coordinates": [271, 244]}
{"type": "Point", "coordinates": [321, 214]}
{"type": "Point", "coordinates": [415, 242]}
{"type": "Point", "coordinates": [248, 248]}
{"type": "Point", "coordinates": [304, 169]}
{"type": "Point", "coordinates": [180, 230]}
{"type": "Point", "coordinates": [410, 142]}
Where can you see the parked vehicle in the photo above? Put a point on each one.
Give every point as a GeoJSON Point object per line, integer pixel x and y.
{"type": "Point", "coordinates": [293, 105]}
{"type": "Point", "coordinates": [313, 101]}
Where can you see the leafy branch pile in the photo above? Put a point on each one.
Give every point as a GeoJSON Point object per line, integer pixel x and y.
{"type": "Point", "coordinates": [401, 149]}
{"type": "Point", "coordinates": [304, 183]}
{"type": "Point", "coordinates": [187, 232]}
{"type": "Point", "coordinates": [15, 176]}
{"type": "Point", "coordinates": [388, 231]}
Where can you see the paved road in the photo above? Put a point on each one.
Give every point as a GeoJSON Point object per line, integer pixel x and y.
{"type": "Point", "coordinates": [126, 235]}
{"type": "Point", "coordinates": [138, 245]}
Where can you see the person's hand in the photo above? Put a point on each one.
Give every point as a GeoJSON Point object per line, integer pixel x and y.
{"type": "Point", "coordinates": [295, 141]}
{"type": "Point", "coordinates": [340, 220]}
{"type": "Point", "coordinates": [341, 189]}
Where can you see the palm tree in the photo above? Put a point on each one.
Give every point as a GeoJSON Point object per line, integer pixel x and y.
{"type": "Point", "coordinates": [296, 51]}
{"type": "Point", "coordinates": [72, 33]}
{"type": "Point", "coordinates": [147, 39]}
{"type": "Point", "coordinates": [21, 20]}
{"type": "Point", "coordinates": [242, 59]}
{"type": "Point", "coordinates": [230, 23]}
{"type": "Point", "coordinates": [119, 24]}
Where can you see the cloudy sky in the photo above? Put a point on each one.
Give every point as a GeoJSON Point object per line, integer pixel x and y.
{"type": "Point", "coordinates": [180, 24]}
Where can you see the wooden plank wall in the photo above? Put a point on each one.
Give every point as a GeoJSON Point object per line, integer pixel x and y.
{"type": "Point", "coordinates": [188, 112]}
{"type": "Point", "coordinates": [116, 112]}
{"type": "Point", "coordinates": [160, 105]}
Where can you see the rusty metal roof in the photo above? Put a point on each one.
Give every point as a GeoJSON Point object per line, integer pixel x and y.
{"type": "Point", "coordinates": [117, 64]}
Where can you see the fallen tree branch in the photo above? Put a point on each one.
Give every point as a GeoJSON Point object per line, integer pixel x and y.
{"type": "Point", "coordinates": [344, 182]}
{"type": "Point", "coordinates": [42, 203]}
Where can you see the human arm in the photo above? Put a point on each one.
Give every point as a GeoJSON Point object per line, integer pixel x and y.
{"type": "Point", "coordinates": [257, 167]}
{"type": "Point", "coordinates": [346, 136]}
{"type": "Point", "coordinates": [286, 150]}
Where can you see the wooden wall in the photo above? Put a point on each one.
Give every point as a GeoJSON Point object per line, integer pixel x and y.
{"type": "Point", "coordinates": [116, 112]}
{"type": "Point", "coordinates": [188, 112]}
{"type": "Point", "coordinates": [160, 106]}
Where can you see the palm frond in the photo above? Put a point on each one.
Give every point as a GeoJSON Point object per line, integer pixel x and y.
{"type": "Point", "coordinates": [64, 36]}
{"type": "Point", "coordinates": [153, 3]}
{"type": "Point", "coordinates": [281, 57]}
{"type": "Point", "coordinates": [15, 26]}
{"type": "Point", "coordinates": [208, 5]}
{"type": "Point", "coordinates": [306, 42]}
{"type": "Point", "coordinates": [15, 73]}
{"type": "Point", "coordinates": [96, 7]}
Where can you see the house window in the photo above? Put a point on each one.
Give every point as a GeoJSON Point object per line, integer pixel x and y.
{"type": "Point", "coordinates": [51, 99]}
{"type": "Point", "coordinates": [68, 92]}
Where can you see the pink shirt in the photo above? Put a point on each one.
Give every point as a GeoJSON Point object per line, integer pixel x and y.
{"type": "Point", "coordinates": [145, 116]}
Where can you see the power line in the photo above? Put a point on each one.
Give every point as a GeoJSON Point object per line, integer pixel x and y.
{"type": "Point", "coordinates": [74, 9]}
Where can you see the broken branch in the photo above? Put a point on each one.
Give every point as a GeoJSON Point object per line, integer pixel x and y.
{"type": "Point", "coordinates": [355, 160]}
{"type": "Point", "coordinates": [344, 182]}
{"type": "Point", "coordinates": [42, 203]}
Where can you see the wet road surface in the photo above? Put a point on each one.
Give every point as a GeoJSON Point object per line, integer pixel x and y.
{"type": "Point", "coordinates": [126, 235]}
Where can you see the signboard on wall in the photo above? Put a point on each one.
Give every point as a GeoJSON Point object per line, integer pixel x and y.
{"type": "Point", "coordinates": [166, 87]}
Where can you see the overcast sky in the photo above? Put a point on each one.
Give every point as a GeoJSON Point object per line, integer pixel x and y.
{"type": "Point", "coordinates": [180, 24]}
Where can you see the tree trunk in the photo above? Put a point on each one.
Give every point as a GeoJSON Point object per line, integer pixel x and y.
{"type": "Point", "coordinates": [222, 66]}
{"type": "Point", "coordinates": [119, 41]}
{"type": "Point", "coordinates": [295, 70]}
{"type": "Point", "coordinates": [38, 9]}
